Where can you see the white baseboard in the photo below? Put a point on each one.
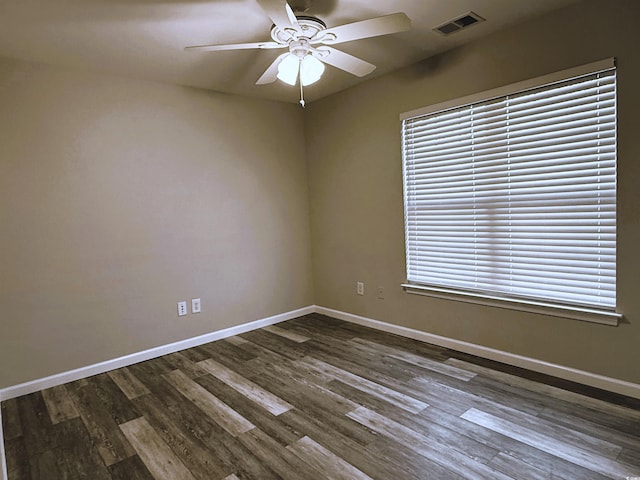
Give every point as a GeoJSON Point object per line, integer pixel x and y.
{"type": "Point", "coordinates": [4, 475]}
{"type": "Point", "coordinates": [586, 378]}
{"type": "Point", "coordinates": [84, 372]}
{"type": "Point", "coordinates": [560, 371]}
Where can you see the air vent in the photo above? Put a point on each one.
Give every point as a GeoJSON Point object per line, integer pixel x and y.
{"type": "Point", "coordinates": [459, 23]}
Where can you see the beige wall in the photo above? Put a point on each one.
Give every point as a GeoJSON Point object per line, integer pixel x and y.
{"type": "Point", "coordinates": [119, 198]}
{"type": "Point", "coordinates": [353, 142]}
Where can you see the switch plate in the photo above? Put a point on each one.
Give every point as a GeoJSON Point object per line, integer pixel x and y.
{"type": "Point", "coordinates": [182, 309]}
{"type": "Point", "coordinates": [195, 305]}
{"type": "Point", "coordinates": [360, 288]}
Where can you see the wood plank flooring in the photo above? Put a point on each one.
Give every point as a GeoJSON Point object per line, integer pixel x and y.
{"type": "Point", "coordinates": [318, 398]}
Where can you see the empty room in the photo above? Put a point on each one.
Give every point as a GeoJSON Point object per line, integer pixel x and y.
{"type": "Point", "coordinates": [322, 239]}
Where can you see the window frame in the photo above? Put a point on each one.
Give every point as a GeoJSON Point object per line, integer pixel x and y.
{"type": "Point", "coordinates": [553, 308]}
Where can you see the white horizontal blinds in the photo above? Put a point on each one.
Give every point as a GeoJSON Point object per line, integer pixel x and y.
{"type": "Point", "coordinates": [516, 195]}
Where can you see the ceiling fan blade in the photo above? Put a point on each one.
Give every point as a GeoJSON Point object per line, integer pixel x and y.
{"type": "Point", "coordinates": [235, 46]}
{"type": "Point", "coordinates": [270, 74]}
{"type": "Point", "coordinates": [344, 61]}
{"type": "Point", "coordinates": [394, 23]}
{"type": "Point", "coordinates": [281, 14]}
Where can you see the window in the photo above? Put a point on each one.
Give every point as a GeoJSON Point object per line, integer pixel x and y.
{"type": "Point", "coordinates": [512, 196]}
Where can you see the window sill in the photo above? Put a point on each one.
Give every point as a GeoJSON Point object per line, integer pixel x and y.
{"type": "Point", "coordinates": [603, 317]}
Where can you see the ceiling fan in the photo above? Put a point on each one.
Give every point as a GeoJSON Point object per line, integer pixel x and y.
{"type": "Point", "coordinates": [309, 41]}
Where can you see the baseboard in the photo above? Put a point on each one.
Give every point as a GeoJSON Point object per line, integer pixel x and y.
{"type": "Point", "coordinates": [4, 475]}
{"type": "Point", "coordinates": [84, 372]}
{"type": "Point", "coordinates": [586, 378]}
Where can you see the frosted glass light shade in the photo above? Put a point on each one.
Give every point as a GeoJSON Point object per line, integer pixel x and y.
{"type": "Point", "coordinates": [288, 69]}
{"type": "Point", "coordinates": [311, 69]}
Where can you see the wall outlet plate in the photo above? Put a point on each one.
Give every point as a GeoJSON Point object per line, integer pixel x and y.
{"type": "Point", "coordinates": [182, 309]}
{"type": "Point", "coordinates": [195, 305]}
{"type": "Point", "coordinates": [360, 288]}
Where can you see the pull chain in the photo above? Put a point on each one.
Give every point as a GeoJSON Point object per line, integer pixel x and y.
{"type": "Point", "coordinates": [302, 102]}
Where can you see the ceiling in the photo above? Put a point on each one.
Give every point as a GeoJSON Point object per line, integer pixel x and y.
{"type": "Point", "coordinates": [145, 38]}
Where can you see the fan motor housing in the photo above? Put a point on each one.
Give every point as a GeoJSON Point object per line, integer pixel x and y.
{"type": "Point", "coordinates": [310, 26]}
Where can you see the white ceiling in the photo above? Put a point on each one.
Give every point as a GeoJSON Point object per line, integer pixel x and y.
{"type": "Point", "coordinates": [145, 38]}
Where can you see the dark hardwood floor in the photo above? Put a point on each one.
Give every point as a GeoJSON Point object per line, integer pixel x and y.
{"type": "Point", "coordinates": [316, 398]}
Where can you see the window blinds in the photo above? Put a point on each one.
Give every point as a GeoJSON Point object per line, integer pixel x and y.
{"type": "Point", "coordinates": [516, 196]}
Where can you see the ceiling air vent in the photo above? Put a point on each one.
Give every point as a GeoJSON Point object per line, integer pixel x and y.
{"type": "Point", "coordinates": [459, 23]}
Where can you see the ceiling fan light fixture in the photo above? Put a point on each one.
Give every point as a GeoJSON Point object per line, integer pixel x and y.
{"type": "Point", "coordinates": [311, 69]}
{"type": "Point", "coordinates": [288, 69]}
{"type": "Point", "coordinates": [309, 42]}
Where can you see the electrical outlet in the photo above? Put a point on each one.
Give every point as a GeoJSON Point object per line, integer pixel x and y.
{"type": "Point", "coordinates": [182, 309]}
{"type": "Point", "coordinates": [381, 293]}
{"type": "Point", "coordinates": [360, 288]}
{"type": "Point", "coordinates": [195, 305]}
